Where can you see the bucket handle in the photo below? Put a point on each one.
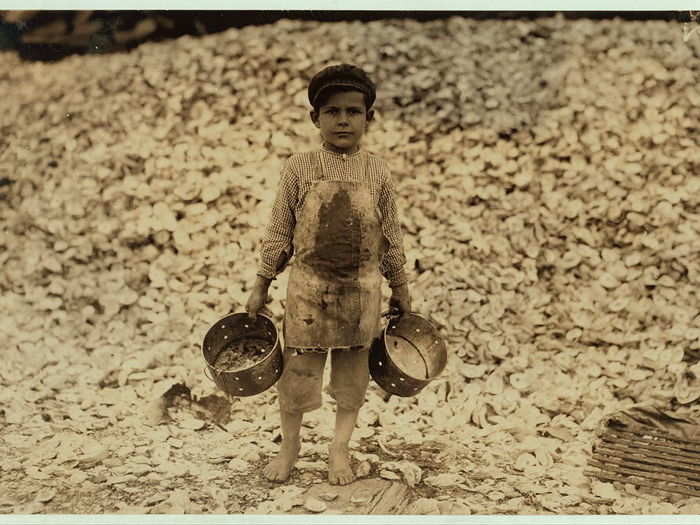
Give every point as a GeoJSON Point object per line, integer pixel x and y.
{"type": "Point", "coordinates": [391, 312]}
{"type": "Point", "coordinates": [206, 373]}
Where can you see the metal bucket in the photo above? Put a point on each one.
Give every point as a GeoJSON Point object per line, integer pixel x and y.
{"type": "Point", "coordinates": [407, 355]}
{"type": "Point", "coordinates": [236, 329]}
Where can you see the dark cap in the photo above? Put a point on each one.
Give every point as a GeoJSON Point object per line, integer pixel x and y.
{"type": "Point", "coordinates": [342, 75]}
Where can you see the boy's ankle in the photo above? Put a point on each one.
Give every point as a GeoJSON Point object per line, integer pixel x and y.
{"type": "Point", "coordinates": [339, 446]}
{"type": "Point", "coordinates": [292, 442]}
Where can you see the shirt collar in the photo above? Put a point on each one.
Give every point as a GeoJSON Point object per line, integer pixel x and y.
{"type": "Point", "coordinates": [326, 149]}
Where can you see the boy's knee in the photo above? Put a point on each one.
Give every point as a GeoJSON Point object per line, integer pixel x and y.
{"type": "Point", "coordinates": [299, 388]}
{"type": "Point", "coordinates": [347, 399]}
{"type": "Point", "coordinates": [349, 390]}
{"type": "Point", "coordinates": [295, 399]}
{"type": "Point", "coordinates": [298, 406]}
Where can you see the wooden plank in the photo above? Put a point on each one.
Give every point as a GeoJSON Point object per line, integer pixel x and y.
{"type": "Point", "coordinates": [666, 460]}
{"type": "Point", "coordinates": [645, 444]}
{"type": "Point", "coordinates": [363, 494]}
{"type": "Point", "coordinates": [391, 500]}
{"type": "Point", "coordinates": [693, 445]}
{"type": "Point", "coordinates": [645, 437]}
{"type": "Point", "coordinates": [642, 474]}
{"type": "Point", "coordinates": [606, 476]}
{"type": "Point", "coordinates": [687, 462]}
{"type": "Point", "coordinates": [630, 463]}
{"type": "Point", "coordinates": [358, 497]}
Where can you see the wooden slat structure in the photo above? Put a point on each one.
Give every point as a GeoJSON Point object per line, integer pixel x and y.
{"type": "Point", "coordinates": [364, 496]}
{"type": "Point", "coordinates": [648, 458]}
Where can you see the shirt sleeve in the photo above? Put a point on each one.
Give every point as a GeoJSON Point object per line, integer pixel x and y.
{"type": "Point", "coordinates": [392, 264]}
{"type": "Point", "coordinates": [276, 248]}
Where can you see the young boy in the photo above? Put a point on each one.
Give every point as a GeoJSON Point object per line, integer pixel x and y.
{"type": "Point", "coordinates": [335, 211]}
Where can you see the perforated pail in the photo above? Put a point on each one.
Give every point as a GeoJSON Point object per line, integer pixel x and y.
{"type": "Point", "coordinates": [235, 329]}
{"type": "Point", "coordinates": [408, 355]}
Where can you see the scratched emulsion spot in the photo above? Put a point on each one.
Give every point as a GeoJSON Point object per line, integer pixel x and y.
{"type": "Point", "coordinates": [338, 240]}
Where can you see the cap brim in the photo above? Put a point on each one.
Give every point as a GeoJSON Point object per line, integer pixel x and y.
{"type": "Point", "coordinates": [340, 83]}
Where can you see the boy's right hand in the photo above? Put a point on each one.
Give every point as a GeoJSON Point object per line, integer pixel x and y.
{"type": "Point", "coordinates": [258, 297]}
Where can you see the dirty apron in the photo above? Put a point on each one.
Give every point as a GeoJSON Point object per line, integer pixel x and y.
{"type": "Point", "coordinates": [334, 290]}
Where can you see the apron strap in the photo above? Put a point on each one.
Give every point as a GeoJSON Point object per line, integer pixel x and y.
{"type": "Point", "coordinates": [321, 164]}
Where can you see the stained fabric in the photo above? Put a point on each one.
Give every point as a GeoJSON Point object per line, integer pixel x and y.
{"type": "Point", "coordinates": [299, 173]}
{"type": "Point", "coordinates": [334, 290]}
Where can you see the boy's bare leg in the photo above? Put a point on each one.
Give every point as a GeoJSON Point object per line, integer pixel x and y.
{"type": "Point", "coordinates": [339, 469]}
{"type": "Point", "coordinates": [281, 465]}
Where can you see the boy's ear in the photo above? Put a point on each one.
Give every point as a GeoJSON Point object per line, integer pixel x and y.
{"type": "Point", "coordinates": [370, 115]}
{"type": "Point", "coordinates": [314, 118]}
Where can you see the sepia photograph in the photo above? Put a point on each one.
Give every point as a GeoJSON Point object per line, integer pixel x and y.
{"type": "Point", "coordinates": [307, 264]}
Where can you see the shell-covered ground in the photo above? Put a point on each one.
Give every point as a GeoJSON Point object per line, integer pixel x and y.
{"type": "Point", "coordinates": [547, 180]}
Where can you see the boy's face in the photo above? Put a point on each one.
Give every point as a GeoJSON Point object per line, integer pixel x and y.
{"type": "Point", "coordinates": [342, 119]}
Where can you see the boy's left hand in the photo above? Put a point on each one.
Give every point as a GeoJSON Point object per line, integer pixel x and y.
{"type": "Point", "coordinates": [400, 300]}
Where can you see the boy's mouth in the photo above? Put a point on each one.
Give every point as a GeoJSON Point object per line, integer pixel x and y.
{"type": "Point", "coordinates": [343, 133]}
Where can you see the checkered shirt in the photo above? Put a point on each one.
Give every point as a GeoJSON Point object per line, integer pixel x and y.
{"type": "Point", "coordinates": [298, 174]}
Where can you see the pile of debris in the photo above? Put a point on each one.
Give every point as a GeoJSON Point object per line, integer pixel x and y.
{"type": "Point", "coordinates": [546, 179]}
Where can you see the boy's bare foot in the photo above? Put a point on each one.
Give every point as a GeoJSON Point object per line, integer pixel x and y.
{"type": "Point", "coordinates": [279, 468]}
{"type": "Point", "coordinates": [339, 469]}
